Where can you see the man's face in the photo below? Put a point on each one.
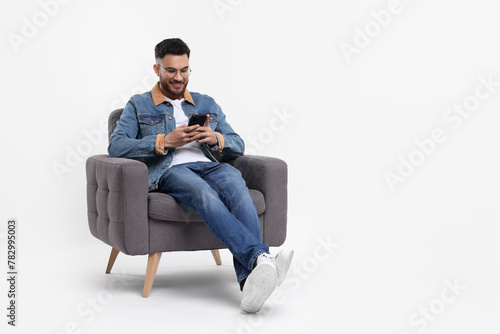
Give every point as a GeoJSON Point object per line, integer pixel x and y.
{"type": "Point", "coordinates": [176, 85]}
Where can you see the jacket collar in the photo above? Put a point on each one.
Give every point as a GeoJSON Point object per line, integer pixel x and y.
{"type": "Point", "coordinates": [159, 98]}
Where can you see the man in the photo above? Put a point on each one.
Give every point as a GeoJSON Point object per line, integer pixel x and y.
{"type": "Point", "coordinates": [181, 162]}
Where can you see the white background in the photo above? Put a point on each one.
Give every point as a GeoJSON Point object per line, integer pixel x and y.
{"type": "Point", "coordinates": [349, 122]}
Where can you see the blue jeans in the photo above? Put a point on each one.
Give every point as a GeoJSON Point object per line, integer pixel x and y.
{"type": "Point", "coordinates": [219, 195]}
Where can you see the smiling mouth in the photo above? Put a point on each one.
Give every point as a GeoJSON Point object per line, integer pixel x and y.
{"type": "Point", "coordinates": [177, 85]}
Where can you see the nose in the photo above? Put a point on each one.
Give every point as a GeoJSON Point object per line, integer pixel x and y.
{"type": "Point", "coordinates": [178, 76]}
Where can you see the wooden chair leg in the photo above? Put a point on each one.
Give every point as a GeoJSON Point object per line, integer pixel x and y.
{"type": "Point", "coordinates": [216, 254]}
{"type": "Point", "coordinates": [112, 258]}
{"type": "Point", "coordinates": [153, 261]}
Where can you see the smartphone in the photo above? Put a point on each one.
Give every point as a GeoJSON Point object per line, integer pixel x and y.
{"type": "Point", "coordinates": [197, 119]}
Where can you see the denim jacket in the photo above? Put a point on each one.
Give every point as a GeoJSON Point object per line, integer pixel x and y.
{"type": "Point", "coordinates": [149, 114]}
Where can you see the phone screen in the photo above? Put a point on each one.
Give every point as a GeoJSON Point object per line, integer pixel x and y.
{"type": "Point", "coordinates": [197, 119]}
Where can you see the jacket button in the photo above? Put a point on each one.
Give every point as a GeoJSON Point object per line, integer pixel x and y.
{"type": "Point", "coordinates": [150, 187]}
{"type": "Point", "coordinates": [152, 121]}
{"type": "Point", "coordinates": [169, 117]}
{"type": "Point", "coordinates": [164, 167]}
{"type": "Point", "coordinates": [168, 104]}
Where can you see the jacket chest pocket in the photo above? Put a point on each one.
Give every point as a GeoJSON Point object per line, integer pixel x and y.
{"type": "Point", "coordinates": [151, 125]}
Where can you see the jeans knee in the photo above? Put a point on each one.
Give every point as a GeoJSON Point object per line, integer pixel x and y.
{"type": "Point", "coordinates": [204, 199]}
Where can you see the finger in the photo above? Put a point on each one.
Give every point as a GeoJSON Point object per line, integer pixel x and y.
{"type": "Point", "coordinates": [206, 121]}
{"type": "Point", "coordinates": [197, 131]}
{"type": "Point", "coordinates": [203, 140]}
{"type": "Point", "coordinates": [197, 136]}
{"type": "Point", "coordinates": [192, 128]}
{"type": "Point", "coordinates": [207, 138]}
{"type": "Point", "coordinates": [187, 137]}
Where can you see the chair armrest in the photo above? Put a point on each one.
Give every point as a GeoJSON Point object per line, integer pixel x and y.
{"type": "Point", "coordinates": [269, 176]}
{"type": "Point", "coordinates": [117, 203]}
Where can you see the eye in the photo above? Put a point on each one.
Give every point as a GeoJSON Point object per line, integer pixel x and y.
{"type": "Point", "coordinates": [171, 70]}
{"type": "Point", "coordinates": [184, 70]}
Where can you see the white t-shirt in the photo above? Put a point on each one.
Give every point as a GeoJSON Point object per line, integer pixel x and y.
{"type": "Point", "coordinates": [190, 152]}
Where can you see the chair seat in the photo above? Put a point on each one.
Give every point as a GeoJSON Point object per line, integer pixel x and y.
{"type": "Point", "coordinates": [164, 207]}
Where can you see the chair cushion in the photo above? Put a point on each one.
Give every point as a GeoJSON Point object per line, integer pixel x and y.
{"type": "Point", "coordinates": [164, 207]}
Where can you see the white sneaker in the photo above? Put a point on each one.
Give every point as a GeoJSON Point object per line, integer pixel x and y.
{"type": "Point", "coordinates": [282, 263]}
{"type": "Point", "coordinates": [259, 285]}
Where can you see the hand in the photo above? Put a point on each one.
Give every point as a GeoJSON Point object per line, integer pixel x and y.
{"type": "Point", "coordinates": [204, 134]}
{"type": "Point", "coordinates": [181, 136]}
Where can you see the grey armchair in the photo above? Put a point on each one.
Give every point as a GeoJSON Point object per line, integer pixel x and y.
{"type": "Point", "coordinates": [124, 215]}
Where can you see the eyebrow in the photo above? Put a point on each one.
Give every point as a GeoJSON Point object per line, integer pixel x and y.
{"type": "Point", "coordinates": [172, 68]}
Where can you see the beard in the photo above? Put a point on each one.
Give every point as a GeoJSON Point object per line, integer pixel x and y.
{"type": "Point", "coordinates": [168, 86]}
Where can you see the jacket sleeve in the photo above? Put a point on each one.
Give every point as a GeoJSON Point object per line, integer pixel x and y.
{"type": "Point", "coordinates": [125, 141]}
{"type": "Point", "coordinates": [234, 145]}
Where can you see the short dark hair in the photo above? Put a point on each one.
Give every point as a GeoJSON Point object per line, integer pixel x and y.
{"type": "Point", "coordinates": [174, 46]}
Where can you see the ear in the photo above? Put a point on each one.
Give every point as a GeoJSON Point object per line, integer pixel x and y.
{"type": "Point", "coordinates": [156, 68]}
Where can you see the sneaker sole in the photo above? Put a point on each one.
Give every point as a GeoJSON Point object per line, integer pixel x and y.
{"type": "Point", "coordinates": [262, 282]}
{"type": "Point", "coordinates": [288, 256]}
